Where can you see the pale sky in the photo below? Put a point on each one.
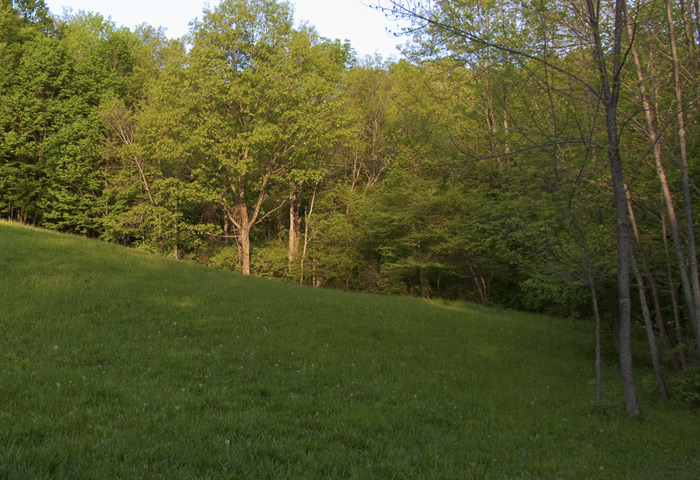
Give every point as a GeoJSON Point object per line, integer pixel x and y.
{"type": "Point", "coordinates": [343, 19]}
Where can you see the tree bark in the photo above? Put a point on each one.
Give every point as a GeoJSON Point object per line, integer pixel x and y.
{"type": "Point", "coordinates": [687, 198]}
{"type": "Point", "coordinates": [674, 298]}
{"type": "Point", "coordinates": [660, 323]}
{"type": "Point", "coordinates": [294, 223]}
{"type": "Point", "coordinates": [656, 363]}
{"type": "Point", "coordinates": [238, 216]}
{"type": "Point", "coordinates": [243, 240]}
{"type": "Point", "coordinates": [665, 189]}
{"type": "Point", "coordinates": [610, 95]}
{"type": "Point", "coordinates": [307, 218]}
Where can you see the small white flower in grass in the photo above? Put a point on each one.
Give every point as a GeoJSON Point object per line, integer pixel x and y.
{"type": "Point", "coordinates": [201, 385]}
{"type": "Point", "coordinates": [55, 347]}
{"type": "Point", "coordinates": [182, 389]}
{"type": "Point", "coordinates": [228, 442]}
{"type": "Point", "coordinates": [174, 323]}
{"type": "Point", "coordinates": [83, 377]}
{"type": "Point", "coordinates": [58, 385]}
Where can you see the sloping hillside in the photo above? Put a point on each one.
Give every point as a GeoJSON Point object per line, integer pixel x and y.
{"type": "Point", "coordinates": [120, 364]}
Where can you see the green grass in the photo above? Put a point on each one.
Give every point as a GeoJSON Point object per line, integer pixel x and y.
{"type": "Point", "coordinates": [119, 364]}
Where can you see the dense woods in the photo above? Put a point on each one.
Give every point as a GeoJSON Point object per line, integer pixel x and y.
{"type": "Point", "coordinates": [535, 155]}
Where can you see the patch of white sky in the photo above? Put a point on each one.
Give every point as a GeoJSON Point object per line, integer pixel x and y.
{"type": "Point", "coordinates": [368, 30]}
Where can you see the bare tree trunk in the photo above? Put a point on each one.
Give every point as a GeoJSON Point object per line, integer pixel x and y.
{"type": "Point", "coordinates": [656, 363]}
{"type": "Point", "coordinates": [674, 298]}
{"type": "Point", "coordinates": [610, 95]}
{"type": "Point", "coordinates": [660, 323]}
{"type": "Point", "coordinates": [590, 279]}
{"type": "Point", "coordinates": [598, 349]}
{"type": "Point", "coordinates": [238, 215]}
{"type": "Point", "coordinates": [666, 191]}
{"type": "Point", "coordinates": [243, 240]}
{"type": "Point", "coordinates": [687, 198]}
{"type": "Point", "coordinates": [294, 223]}
{"type": "Point", "coordinates": [307, 218]}
{"type": "Point", "coordinates": [690, 43]}
{"type": "Point", "coordinates": [175, 249]}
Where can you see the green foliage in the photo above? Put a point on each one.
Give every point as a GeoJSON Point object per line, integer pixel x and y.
{"type": "Point", "coordinates": [225, 258]}
{"type": "Point", "coordinates": [269, 260]}
{"type": "Point", "coordinates": [686, 387]}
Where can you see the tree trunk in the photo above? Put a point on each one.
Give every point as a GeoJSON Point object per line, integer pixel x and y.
{"type": "Point", "coordinates": [243, 240]}
{"type": "Point", "coordinates": [690, 43]}
{"type": "Point", "coordinates": [610, 96]}
{"type": "Point", "coordinates": [665, 190]}
{"type": "Point", "coordinates": [687, 198]}
{"type": "Point", "coordinates": [596, 313]}
{"type": "Point", "coordinates": [307, 218]}
{"type": "Point", "coordinates": [238, 215]}
{"type": "Point", "coordinates": [175, 228]}
{"type": "Point", "coordinates": [660, 323]}
{"type": "Point", "coordinates": [294, 223]}
{"type": "Point", "coordinates": [656, 363]}
{"type": "Point", "coordinates": [623, 277]}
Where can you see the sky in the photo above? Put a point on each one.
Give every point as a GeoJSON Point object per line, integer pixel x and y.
{"type": "Point", "coordinates": [342, 19]}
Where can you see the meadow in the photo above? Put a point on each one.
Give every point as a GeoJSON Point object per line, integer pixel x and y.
{"type": "Point", "coordinates": [119, 364]}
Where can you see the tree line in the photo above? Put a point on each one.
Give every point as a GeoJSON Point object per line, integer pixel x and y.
{"type": "Point", "coordinates": [536, 155]}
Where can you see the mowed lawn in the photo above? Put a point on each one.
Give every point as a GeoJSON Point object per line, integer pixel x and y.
{"type": "Point", "coordinates": [115, 363]}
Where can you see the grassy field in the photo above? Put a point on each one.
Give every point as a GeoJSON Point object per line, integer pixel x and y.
{"type": "Point", "coordinates": [119, 364]}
